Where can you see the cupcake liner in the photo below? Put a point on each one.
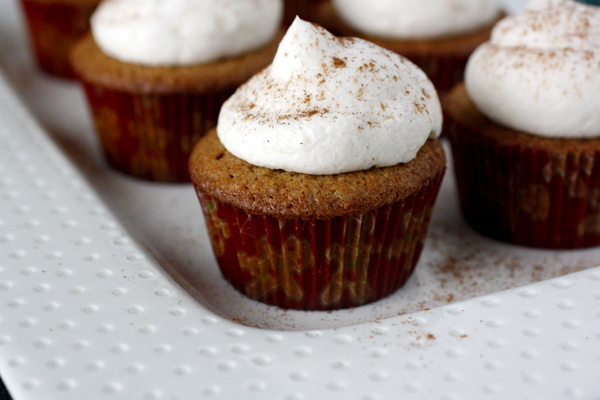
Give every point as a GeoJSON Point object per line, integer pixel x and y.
{"type": "Point", "coordinates": [317, 264]}
{"type": "Point", "coordinates": [444, 71]}
{"type": "Point", "coordinates": [53, 29]}
{"type": "Point", "coordinates": [150, 136]}
{"type": "Point", "coordinates": [530, 196]}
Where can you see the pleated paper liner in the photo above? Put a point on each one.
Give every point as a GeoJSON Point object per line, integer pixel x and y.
{"type": "Point", "coordinates": [150, 136]}
{"type": "Point", "coordinates": [314, 264]}
{"type": "Point", "coordinates": [444, 70]}
{"type": "Point", "coordinates": [54, 26]}
{"type": "Point", "coordinates": [527, 190]}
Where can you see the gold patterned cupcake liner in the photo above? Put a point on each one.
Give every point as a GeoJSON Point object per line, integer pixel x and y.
{"type": "Point", "coordinates": [546, 197]}
{"type": "Point", "coordinates": [151, 136]}
{"type": "Point", "coordinates": [53, 29]}
{"type": "Point", "coordinates": [314, 264]}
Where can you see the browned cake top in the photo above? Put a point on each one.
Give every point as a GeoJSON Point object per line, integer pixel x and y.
{"type": "Point", "coordinates": [279, 193]}
{"type": "Point", "coordinates": [92, 65]}
{"type": "Point", "coordinates": [460, 109]}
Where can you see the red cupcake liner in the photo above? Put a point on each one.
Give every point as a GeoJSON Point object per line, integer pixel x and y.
{"type": "Point", "coordinates": [528, 196]}
{"type": "Point", "coordinates": [444, 71]}
{"type": "Point", "coordinates": [150, 136]}
{"type": "Point", "coordinates": [53, 29]}
{"type": "Point", "coordinates": [316, 264]}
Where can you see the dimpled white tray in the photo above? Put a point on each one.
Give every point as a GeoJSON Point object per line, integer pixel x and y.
{"type": "Point", "coordinates": [108, 290]}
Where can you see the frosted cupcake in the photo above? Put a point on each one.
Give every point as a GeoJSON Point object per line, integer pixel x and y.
{"type": "Point", "coordinates": [318, 184]}
{"type": "Point", "coordinates": [54, 26]}
{"type": "Point", "coordinates": [156, 73]}
{"type": "Point", "coordinates": [526, 128]}
{"type": "Point", "coordinates": [437, 35]}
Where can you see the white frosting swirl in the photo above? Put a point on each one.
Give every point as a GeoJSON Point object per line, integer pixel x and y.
{"type": "Point", "coordinates": [416, 19]}
{"type": "Point", "coordinates": [540, 72]}
{"type": "Point", "coordinates": [329, 105]}
{"type": "Point", "coordinates": [182, 32]}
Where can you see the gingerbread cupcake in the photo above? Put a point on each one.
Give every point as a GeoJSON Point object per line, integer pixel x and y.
{"type": "Point", "coordinates": [157, 72]}
{"type": "Point", "coordinates": [437, 35]}
{"type": "Point", "coordinates": [54, 26]}
{"type": "Point", "coordinates": [525, 130]}
{"type": "Point", "coordinates": [318, 184]}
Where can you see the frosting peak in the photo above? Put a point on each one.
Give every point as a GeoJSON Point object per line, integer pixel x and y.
{"type": "Point", "coordinates": [181, 32]}
{"type": "Point", "coordinates": [540, 71]}
{"type": "Point", "coordinates": [330, 105]}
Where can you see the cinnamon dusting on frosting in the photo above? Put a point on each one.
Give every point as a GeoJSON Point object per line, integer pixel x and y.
{"type": "Point", "coordinates": [338, 62]}
{"type": "Point", "coordinates": [540, 72]}
{"type": "Point", "coordinates": [330, 105]}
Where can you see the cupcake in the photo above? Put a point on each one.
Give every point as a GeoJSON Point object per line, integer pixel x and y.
{"type": "Point", "coordinates": [157, 72]}
{"type": "Point", "coordinates": [525, 130]}
{"type": "Point", "coordinates": [437, 35]}
{"type": "Point", "coordinates": [54, 26]}
{"type": "Point", "coordinates": [318, 183]}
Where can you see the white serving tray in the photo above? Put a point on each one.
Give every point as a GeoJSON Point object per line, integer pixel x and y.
{"type": "Point", "coordinates": [109, 289]}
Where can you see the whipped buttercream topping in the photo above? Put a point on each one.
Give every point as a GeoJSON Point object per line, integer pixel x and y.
{"type": "Point", "coordinates": [540, 71]}
{"type": "Point", "coordinates": [182, 32]}
{"type": "Point", "coordinates": [330, 105]}
{"type": "Point", "coordinates": [417, 19]}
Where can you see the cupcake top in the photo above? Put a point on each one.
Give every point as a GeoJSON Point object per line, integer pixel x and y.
{"type": "Point", "coordinates": [540, 71]}
{"type": "Point", "coordinates": [417, 19]}
{"type": "Point", "coordinates": [183, 32]}
{"type": "Point", "coordinates": [329, 105]}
